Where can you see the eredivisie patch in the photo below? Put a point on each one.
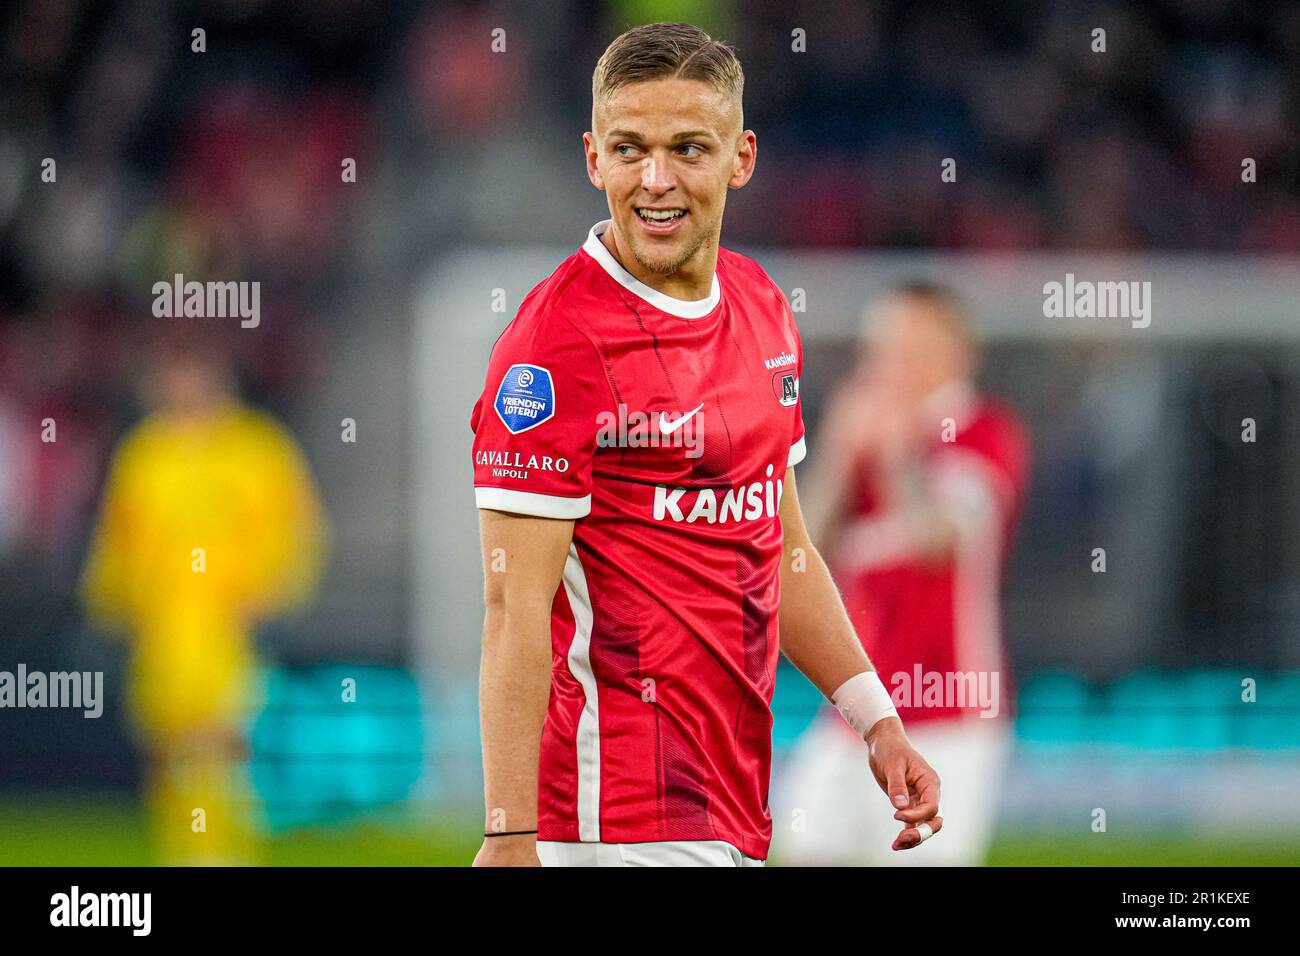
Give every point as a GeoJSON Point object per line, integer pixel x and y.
{"type": "Point", "coordinates": [525, 398]}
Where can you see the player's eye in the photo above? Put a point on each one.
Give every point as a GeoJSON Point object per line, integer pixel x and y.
{"type": "Point", "coordinates": [625, 150]}
{"type": "Point", "coordinates": [698, 150]}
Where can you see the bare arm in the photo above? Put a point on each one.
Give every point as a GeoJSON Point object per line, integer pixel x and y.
{"type": "Point", "coordinates": [818, 638]}
{"type": "Point", "coordinates": [523, 562]}
{"type": "Point", "coordinates": [816, 634]}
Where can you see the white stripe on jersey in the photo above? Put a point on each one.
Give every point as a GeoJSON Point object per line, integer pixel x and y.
{"type": "Point", "coordinates": [588, 737]}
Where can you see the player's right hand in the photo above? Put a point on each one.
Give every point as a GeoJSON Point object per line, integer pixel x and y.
{"type": "Point", "coordinates": [508, 851]}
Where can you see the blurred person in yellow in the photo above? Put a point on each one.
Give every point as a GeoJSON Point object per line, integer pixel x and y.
{"type": "Point", "coordinates": [210, 525]}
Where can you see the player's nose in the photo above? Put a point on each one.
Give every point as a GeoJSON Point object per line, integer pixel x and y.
{"type": "Point", "coordinates": [655, 177]}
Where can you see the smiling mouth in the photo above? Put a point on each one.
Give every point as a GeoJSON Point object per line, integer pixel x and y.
{"type": "Point", "coordinates": [659, 216]}
{"type": "Point", "coordinates": [661, 222]}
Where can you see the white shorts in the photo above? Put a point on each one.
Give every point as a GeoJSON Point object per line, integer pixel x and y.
{"type": "Point", "coordinates": [829, 810]}
{"type": "Point", "coordinates": [664, 853]}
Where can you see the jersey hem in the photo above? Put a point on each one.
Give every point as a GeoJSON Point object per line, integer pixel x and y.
{"type": "Point", "coordinates": [717, 836]}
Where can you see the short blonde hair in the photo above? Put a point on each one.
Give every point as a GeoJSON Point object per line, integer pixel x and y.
{"type": "Point", "coordinates": [667, 51]}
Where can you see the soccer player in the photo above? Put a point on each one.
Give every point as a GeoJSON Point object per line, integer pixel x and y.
{"type": "Point", "coordinates": [920, 486]}
{"type": "Point", "coordinates": [644, 554]}
{"type": "Point", "coordinates": [210, 525]}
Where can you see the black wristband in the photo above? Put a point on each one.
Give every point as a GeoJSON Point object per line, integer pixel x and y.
{"type": "Point", "coordinates": [510, 833]}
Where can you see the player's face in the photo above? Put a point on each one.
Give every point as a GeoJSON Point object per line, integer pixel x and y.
{"type": "Point", "coordinates": [189, 385]}
{"type": "Point", "coordinates": [665, 152]}
{"type": "Point", "coordinates": [910, 351]}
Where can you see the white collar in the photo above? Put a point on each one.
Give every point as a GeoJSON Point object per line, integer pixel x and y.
{"type": "Point", "coordinates": [681, 308]}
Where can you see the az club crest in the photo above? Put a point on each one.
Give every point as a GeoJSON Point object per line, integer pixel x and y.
{"type": "Point", "coordinates": [525, 398]}
{"type": "Point", "coordinates": [785, 385]}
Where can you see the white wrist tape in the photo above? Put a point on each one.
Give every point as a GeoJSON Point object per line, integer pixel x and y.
{"type": "Point", "coordinates": [862, 700]}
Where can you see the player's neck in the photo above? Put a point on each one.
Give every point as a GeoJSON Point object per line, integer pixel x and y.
{"type": "Point", "coordinates": [690, 283]}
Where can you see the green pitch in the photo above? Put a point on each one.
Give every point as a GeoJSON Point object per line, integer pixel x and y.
{"type": "Point", "coordinates": [112, 832]}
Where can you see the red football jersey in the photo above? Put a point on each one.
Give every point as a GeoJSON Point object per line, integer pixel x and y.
{"type": "Point", "coordinates": [934, 630]}
{"type": "Point", "coordinates": [664, 427]}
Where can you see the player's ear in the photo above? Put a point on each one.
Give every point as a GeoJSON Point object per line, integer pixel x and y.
{"type": "Point", "coordinates": [593, 170]}
{"type": "Point", "coordinates": [746, 157]}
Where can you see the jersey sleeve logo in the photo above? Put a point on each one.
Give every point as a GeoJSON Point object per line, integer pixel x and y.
{"type": "Point", "coordinates": [785, 385]}
{"type": "Point", "coordinates": [525, 398]}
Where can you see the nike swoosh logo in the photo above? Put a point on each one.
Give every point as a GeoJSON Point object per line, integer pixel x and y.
{"type": "Point", "coordinates": [668, 427]}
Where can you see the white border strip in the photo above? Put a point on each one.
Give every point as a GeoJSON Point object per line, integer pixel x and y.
{"type": "Point", "coordinates": [532, 503]}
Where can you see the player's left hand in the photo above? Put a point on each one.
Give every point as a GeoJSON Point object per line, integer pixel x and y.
{"type": "Point", "coordinates": [910, 783]}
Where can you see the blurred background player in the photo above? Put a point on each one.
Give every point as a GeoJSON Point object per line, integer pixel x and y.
{"type": "Point", "coordinates": [921, 485]}
{"type": "Point", "coordinates": [210, 525]}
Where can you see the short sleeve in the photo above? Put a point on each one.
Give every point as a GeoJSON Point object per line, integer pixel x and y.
{"type": "Point", "coordinates": [536, 421]}
{"type": "Point", "coordinates": [980, 480]}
